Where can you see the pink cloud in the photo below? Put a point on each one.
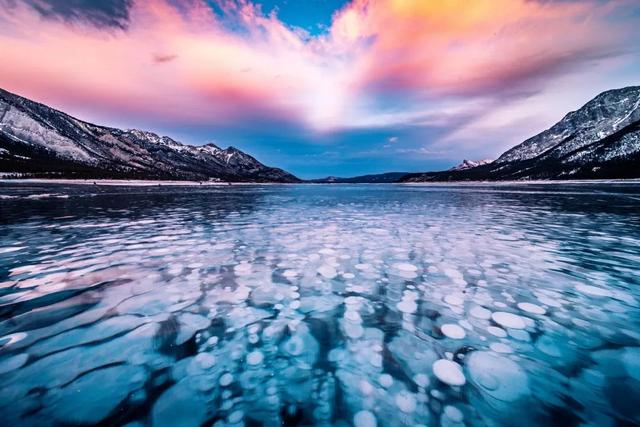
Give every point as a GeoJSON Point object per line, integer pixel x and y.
{"type": "Point", "coordinates": [185, 65]}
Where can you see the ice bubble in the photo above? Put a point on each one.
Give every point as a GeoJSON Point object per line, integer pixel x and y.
{"type": "Point", "coordinates": [352, 316]}
{"type": "Point", "coordinates": [449, 372]}
{"type": "Point", "coordinates": [498, 332]}
{"type": "Point", "coordinates": [255, 358]}
{"type": "Point", "coordinates": [421, 380]}
{"type": "Point", "coordinates": [453, 413]}
{"type": "Point", "coordinates": [375, 360]}
{"type": "Point", "coordinates": [242, 269]}
{"type": "Point", "coordinates": [406, 402]}
{"type": "Point", "coordinates": [302, 346]}
{"type": "Point", "coordinates": [205, 360]}
{"type": "Point", "coordinates": [385, 380]}
{"type": "Point", "coordinates": [453, 331]}
{"type": "Point", "coordinates": [353, 330]}
{"type": "Point", "coordinates": [327, 271]}
{"type": "Point", "coordinates": [508, 320]}
{"type": "Point", "coordinates": [327, 251]}
{"type": "Point", "coordinates": [553, 346]}
{"type": "Point", "coordinates": [480, 313]}
{"type": "Point", "coordinates": [364, 419]}
{"type": "Point", "coordinates": [497, 376]}
{"type": "Point", "coordinates": [352, 300]}
{"type": "Point", "coordinates": [454, 299]}
{"type": "Point", "coordinates": [408, 306]}
{"type": "Point", "coordinates": [499, 347]}
{"type": "Point", "coordinates": [437, 394]}
{"type": "Point", "coordinates": [365, 387]}
{"type": "Point", "coordinates": [236, 416]}
{"type": "Point", "coordinates": [349, 275]}
{"type": "Point", "coordinates": [594, 290]}
{"type": "Point", "coordinates": [551, 302]}
{"type": "Point", "coordinates": [189, 324]}
{"type": "Point", "coordinates": [403, 266]}
{"type": "Point", "coordinates": [226, 379]}
{"type": "Point", "coordinates": [290, 274]}
{"type": "Point", "coordinates": [531, 308]}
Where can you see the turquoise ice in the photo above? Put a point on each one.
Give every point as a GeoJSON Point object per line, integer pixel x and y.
{"type": "Point", "coordinates": [372, 305]}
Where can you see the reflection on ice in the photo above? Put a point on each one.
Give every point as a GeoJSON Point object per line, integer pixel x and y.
{"type": "Point", "coordinates": [364, 306]}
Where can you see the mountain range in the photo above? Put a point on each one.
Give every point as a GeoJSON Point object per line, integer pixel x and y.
{"type": "Point", "coordinates": [601, 140]}
{"type": "Point", "coordinates": [39, 141]}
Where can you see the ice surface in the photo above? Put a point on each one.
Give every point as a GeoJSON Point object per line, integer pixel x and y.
{"type": "Point", "coordinates": [497, 376]}
{"type": "Point", "coordinates": [313, 305]}
{"type": "Point", "coordinates": [95, 395]}
{"type": "Point", "coordinates": [180, 406]}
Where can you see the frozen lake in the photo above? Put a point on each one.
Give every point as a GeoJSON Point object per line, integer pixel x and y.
{"type": "Point", "coordinates": [363, 305]}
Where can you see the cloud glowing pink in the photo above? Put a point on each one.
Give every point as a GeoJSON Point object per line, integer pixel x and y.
{"type": "Point", "coordinates": [184, 65]}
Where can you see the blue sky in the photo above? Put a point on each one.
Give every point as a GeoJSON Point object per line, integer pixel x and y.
{"type": "Point", "coordinates": [324, 87]}
{"type": "Point", "coordinates": [313, 15]}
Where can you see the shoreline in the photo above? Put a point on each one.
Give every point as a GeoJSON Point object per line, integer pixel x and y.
{"type": "Point", "coordinates": [529, 182]}
{"type": "Point", "coordinates": [158, 183]}
{"type": "Point", "coordinates": [129, 182]}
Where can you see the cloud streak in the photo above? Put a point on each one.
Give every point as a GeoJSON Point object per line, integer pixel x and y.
{"type": "Point", "coordinates": [103, 13]}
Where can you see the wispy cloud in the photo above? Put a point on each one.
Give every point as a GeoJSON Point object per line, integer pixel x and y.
{"type": "Point", "coordinates": [102, 13]}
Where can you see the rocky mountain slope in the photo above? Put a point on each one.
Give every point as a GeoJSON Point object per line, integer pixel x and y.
{"type": "Point", "coordinates": [468, 164]}
{"type": "Point", "coordinates": [600, 140]}
{"type": "Point", "coordinates": [36, 140]}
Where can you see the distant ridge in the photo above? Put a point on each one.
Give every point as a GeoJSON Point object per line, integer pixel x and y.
{"type": "Point", "coordinates": [381, 178]}
{"type": "Point", "coordinates": [39, 141]}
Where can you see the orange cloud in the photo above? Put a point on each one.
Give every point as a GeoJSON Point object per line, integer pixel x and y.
{"type": "Point", "coordinates": [458, 46]}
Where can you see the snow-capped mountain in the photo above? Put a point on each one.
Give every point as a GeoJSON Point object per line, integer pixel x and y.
{"type": "Point", "coordinates": [468, 164]}
{"type": "Point", "coordinates": [600, 140]}
{"type": "Point", "coordinates": [41, 141]}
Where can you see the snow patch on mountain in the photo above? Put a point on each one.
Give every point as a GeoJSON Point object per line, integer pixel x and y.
{"type": "Point", "coordinates": [468, 164]}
